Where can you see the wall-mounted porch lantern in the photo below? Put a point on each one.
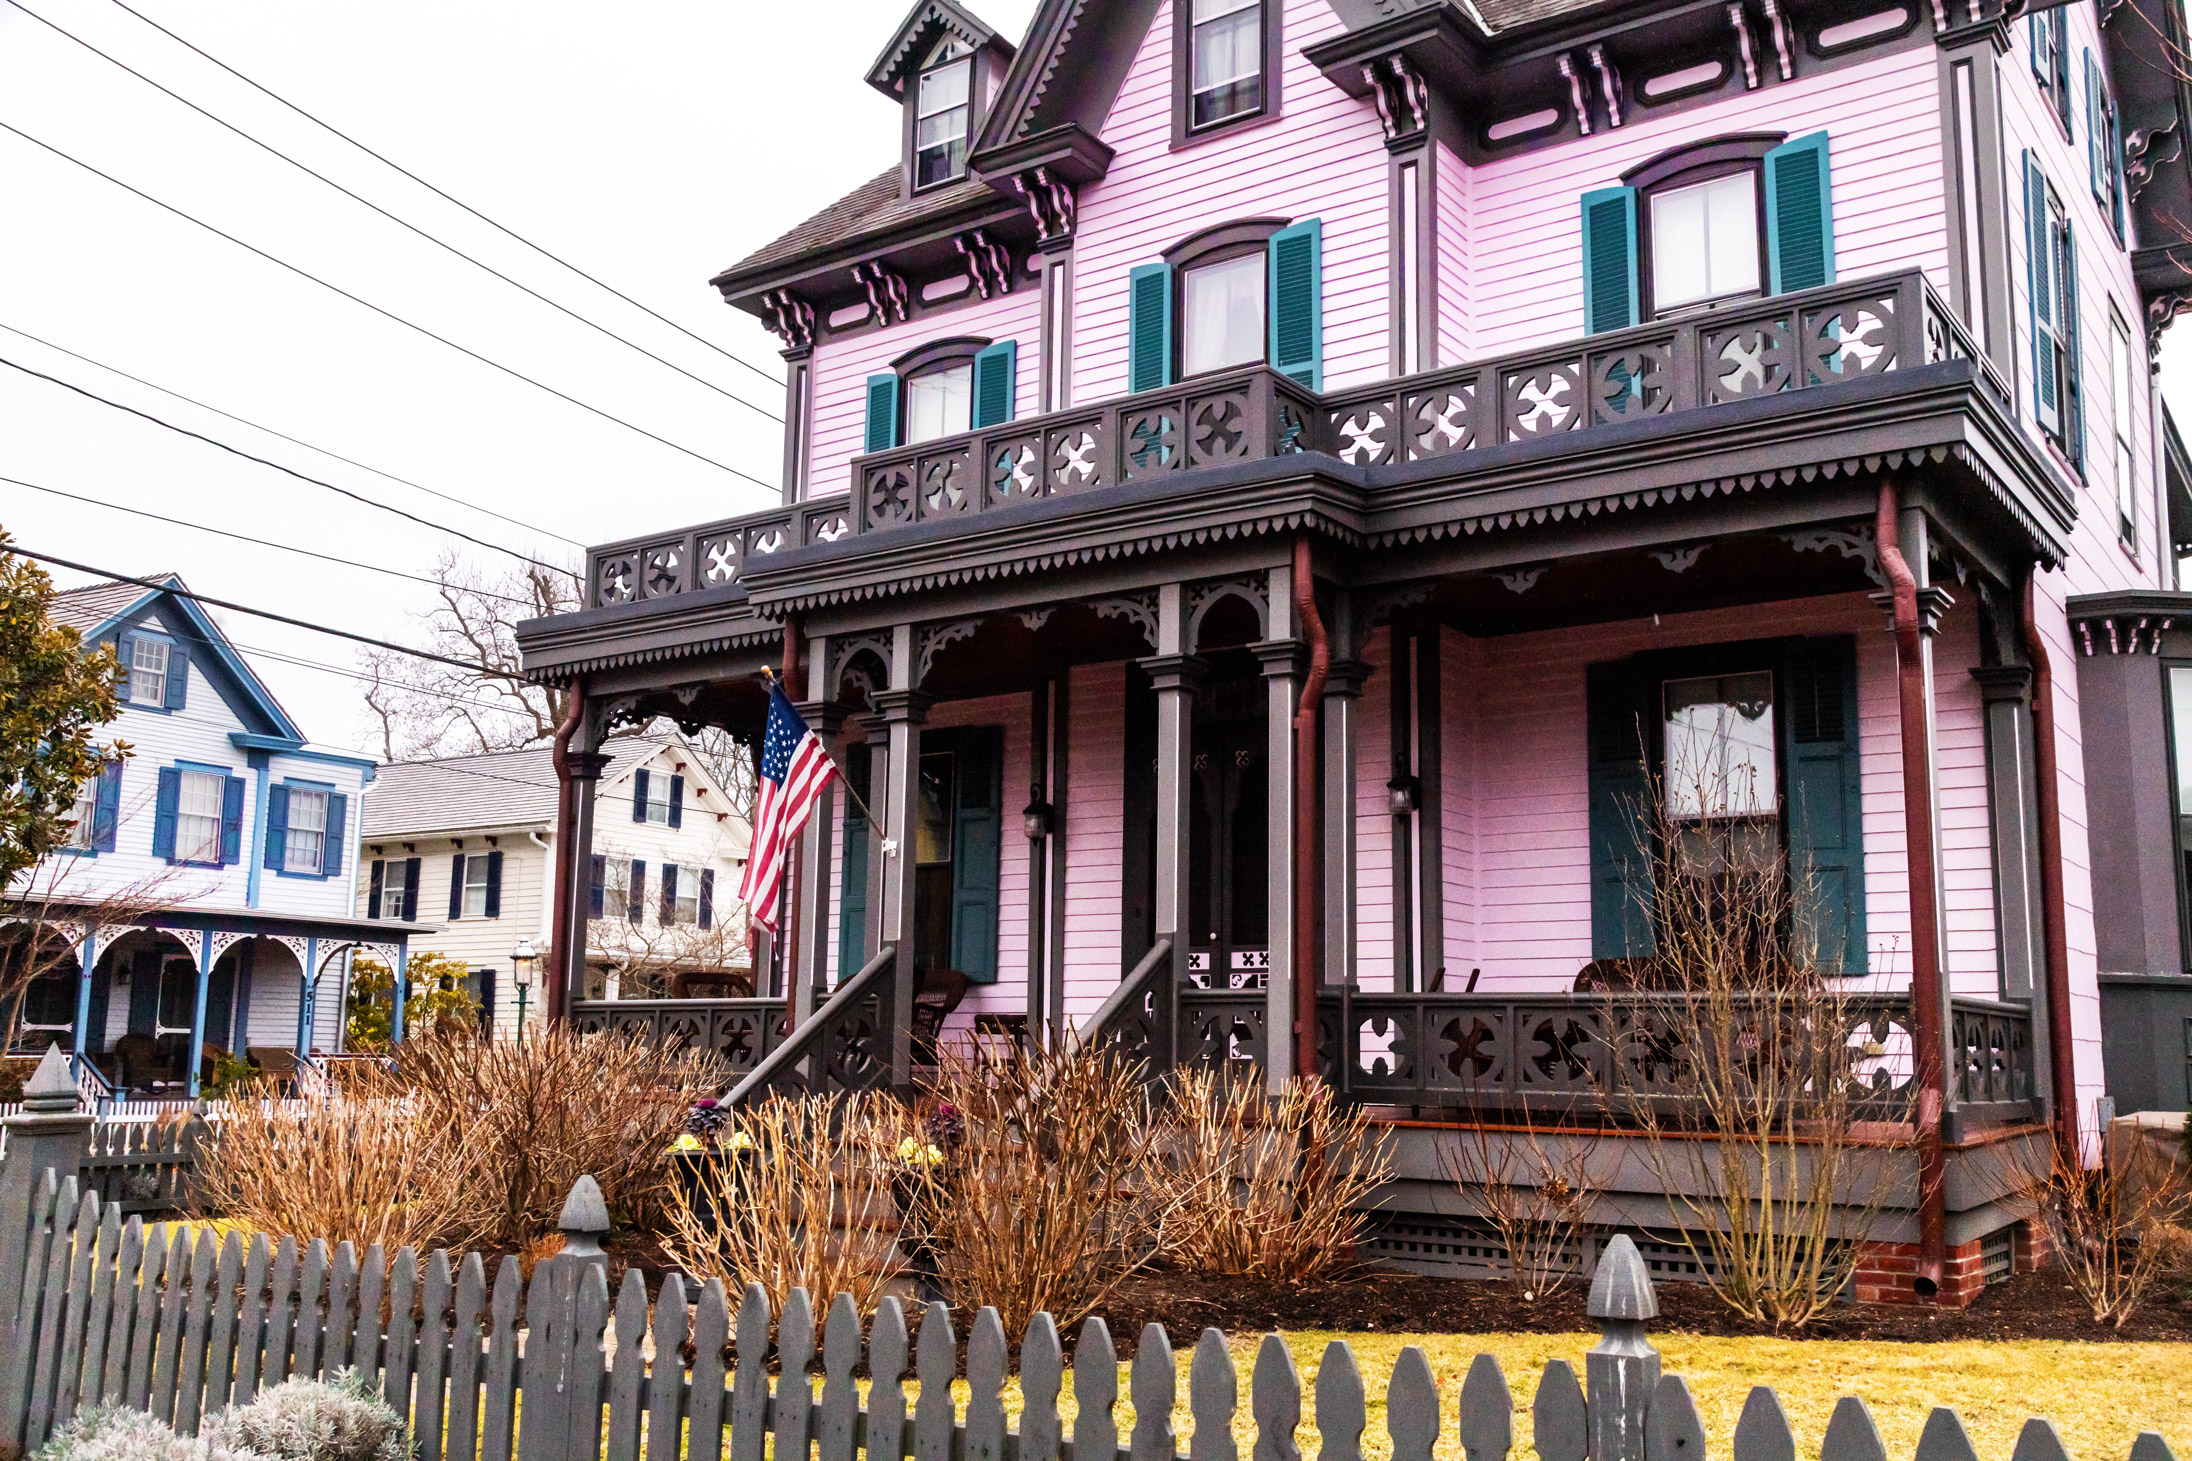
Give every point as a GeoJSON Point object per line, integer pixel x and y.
{"type": "Point", "coordinates": [1404, 793]}
{"type": "Point", "coordinates": [1036, 817]}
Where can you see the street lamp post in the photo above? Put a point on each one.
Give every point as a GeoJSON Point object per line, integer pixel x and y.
{"type": "Point", "coordinates": [522, 959]}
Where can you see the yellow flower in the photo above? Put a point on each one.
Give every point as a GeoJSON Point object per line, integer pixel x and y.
{"type": "Point", "coordinates": [740, 1142]}
{"type": "Point", "coordinates": [686, 1142]}
{"type": "Point", "coordinates": [916, 1152]}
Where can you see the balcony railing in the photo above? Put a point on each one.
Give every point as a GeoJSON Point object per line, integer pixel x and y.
{"type": "Point", "coordinates": [1765, 347]}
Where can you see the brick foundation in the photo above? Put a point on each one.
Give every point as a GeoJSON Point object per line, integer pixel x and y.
{"type": "Point", "coordinates": [1887, 1273]}
{"type": "Point", "coordinates": [2031, 1248]}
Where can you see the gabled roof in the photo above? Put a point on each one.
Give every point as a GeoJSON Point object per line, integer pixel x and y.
{"type": "Point", "coordinates": [98, 610]}
{"type": "Point", "coordinates": [929, 21]}
{"type": "Point", "coordinates": [870, 208]}
{"type": "Point", "coordinates": [501, 788]}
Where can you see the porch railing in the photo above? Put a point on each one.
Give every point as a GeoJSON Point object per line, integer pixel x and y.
{"type": "Point", "coordinates": [1137, 1020]}
{"type": "Point", "coordinates": [1787, 342]}
{"type": "Point", "coordinates": [847, 1045]}
{"type": "Point", "coordinates": [739, 1032]}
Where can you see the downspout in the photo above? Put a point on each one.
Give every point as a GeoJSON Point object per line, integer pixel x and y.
{"type": "Point", "coordinates": [1925, 914]}
{"type": "Point", "coordinates": [1308, 762]}
{"type": "Point", "coordinates": [2062, 1070]}
{"type": "Point", "coordinates": [574, 711]}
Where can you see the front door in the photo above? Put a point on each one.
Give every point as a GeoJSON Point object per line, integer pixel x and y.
{"type": "Point", "coordinates": [1228, 832]}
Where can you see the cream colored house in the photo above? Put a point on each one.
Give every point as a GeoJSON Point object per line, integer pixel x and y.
{"type": "Point", "coordinates": [469, 842]}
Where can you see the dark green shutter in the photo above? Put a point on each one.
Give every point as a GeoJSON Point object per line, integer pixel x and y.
{"type": "Point", "coordinates": [1297, 302]}
{"type": "Point", "coordinates": [1149, 326]}
{"type": "Point", "coordinates": [2073, 370]}
{"type": "Point", "coordinates": [1826, 828]}
{"type": "Point", "coordinates": [494, 884]}
{"type": "Point", "coordinates": [882, 432]}
{"type": "Point", "coordinates": [852, 899]}
{"type": "Point", "coordinates": [2096, 131]}
{"type": "Point", "coordinates": [1799, 215]}
{"type": "Point", "coordinates": [1617, 702]}
{"type": "Point", "coordinates": [456, 887]}
{"type": "Point", "coordinates": [677, 802]}
{"type": "Point", "coordinates": [975, 854]}
{"type": "Point", "coordinates": [996, 370]}
{"type": "Point", "coordinates": [411, 890]}
{"type": "Point", "coordinates": [1609, 260]}
{"type": "Point", "coordinates": [2040, 295]}
{"type": "Point", "coordinates": [639, 796]}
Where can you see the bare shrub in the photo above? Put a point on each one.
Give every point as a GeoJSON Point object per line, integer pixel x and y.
{"type": "Point", "coordinates": [1265, 1186]}
{"type": "Point", "coordinates": [1037, 1187]}
{"type": "Point", "coordinates": [2116, 1226]}
{"type": "Point", "coordinates": [798, 1193]}
{"type": "Point", "coordinates": [538, 1116]}
{"type": "Point", "coordinates": [1534, 1186]}
{"type": "Point", "coordinates": [360, 1165]}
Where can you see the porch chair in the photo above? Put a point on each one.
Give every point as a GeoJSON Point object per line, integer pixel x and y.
{"type": "Point", "coordinates": [711, 984]}
{"type": "Point", "coordinates": [936, 993]}
{"type": "Point", "coordinates": [275, 1061]}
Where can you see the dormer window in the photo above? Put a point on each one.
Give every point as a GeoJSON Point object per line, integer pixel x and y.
{"type": "Point", "coordinates": [1226, 65]}
{"type": "Point", "coordinates": [942, 111]}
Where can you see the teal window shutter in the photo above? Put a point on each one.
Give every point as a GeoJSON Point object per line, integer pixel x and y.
{"type": "Point", "coordinates": [2058, 51]}
{"type": "Point", "coordinates": [1297, 302]}
{"type": "Point", "coordinates": [852, 898]}
{"type": "Point", "coordinates": [1799, 215]}
{"type": "Point", "coordinates": [1149, 327]}
{"type": "Point", "coordinates": [1617, 700]}
{"type": "Point", "coordinates": [277, 828]}
{"type": "Point", "coordinates": [1826, 828]}
{"type": "Point", "coordinates": [976, 854]}
{"type": "Point", "coordinates": [882, 432]}
{"type": "Point", "coordinates": [996, 369]}
{"type": "Point", "coordinates": [2040, 297]}
{"type": "Point", "coordinates": [1609, 260]}
{"type": "Point", "coordinates": [2096, 130]}
{"type": "Point", "coordinates": [2066, 306]}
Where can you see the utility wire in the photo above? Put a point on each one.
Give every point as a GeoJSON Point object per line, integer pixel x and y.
{"type": "Point", "coordinates": [277, 466]}
{"type": "Point", "coordinates": [261, 542]}
{"type": "Point", "coordinates": [263, 652]}
{"type": "Point", "coordinates": [445, 197]}
{"type": "Point", "coordinates": [284, 436]}
{"type": "Point", "coordinates": [60, 30]}
{"type": "Point", "coordinates": [387, 314]}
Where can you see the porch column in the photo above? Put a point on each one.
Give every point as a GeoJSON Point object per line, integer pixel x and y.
{"type": "Point", "coordinates": [810, 960]}
{"type": "Point", "coordinates": [904, 710]}
{"type": "Point", "coordinates": [306, 978]}
{"type": "Point", "coordinates": [403, 989]}
{"type": "Point", "coordinates": [2006, 691]}
{"type": "Point", "coordinates": [87, 957]}
{"type": "Point", "coordinates": [1342, 688]}
{"type": "Point", "coordinates": [1046, 861]}
{"type": "Point", "coordinates": [1176, 676]}
{"type": "Point", "coordinates": [574, 873]}
{"type": "Point", "coordinates": [198, 1009]}
{"type": "Point", "coordinates": [1284, 659]}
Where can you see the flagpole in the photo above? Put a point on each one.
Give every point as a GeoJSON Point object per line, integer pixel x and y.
{"type": "Point", "coordinates": [770, 677]}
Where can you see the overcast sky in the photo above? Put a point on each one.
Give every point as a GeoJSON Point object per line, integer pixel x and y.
{"type": "Point", "coordinates": [651, 144]}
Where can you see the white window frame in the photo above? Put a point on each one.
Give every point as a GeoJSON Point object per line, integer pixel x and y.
{"type": "Point", "coordinates": [956, 407]}
{"type": "Point", "coordinates": [658, 799]}
{"type": "Point", "coordinates": [392, 888]}
{"type": "Point", "coordinates": [192, 844]}
{"type": "Point", "coordinates": [299, 840]}
{"type": "Point", "coordinates": [1254, 265]}
{"type": "Point", "coordinates": [1714, 291]}
{"type": "Point", "coordinates": [687, 908]}
{"type": "Point", "coordinates": [86, 813]}
{"type": "Point", "coordinates": [1205, 19]}
{"type": "Point", "coordinates": [952, 59]}
{"type": "Point", "coordinates": [149, 659]}
{"type": "Point", "coordinates": [2124, 382]}
{"type": "Point", "coordinates": [616, 888]}
{"type": "Point", "coordinates": [477, 868]}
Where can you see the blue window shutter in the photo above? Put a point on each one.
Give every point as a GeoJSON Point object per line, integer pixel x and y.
{"type": "Point", "coordinates": [882, 428]}
{"type": "Point", "coordinates": [669, 893]}
{"type": "Point", "coordinates": [232, 821]}
{"type": "Point", "coordinates": [1609, 260]}
{"type": "Point", "coordinates": [178, 677]}
{"type": "Point", "coordinates": [597, 886]}
{"type": "Point", "coordinates": [1799, 215]}
{"type": "Point", "coordinates": [1818, 724]}
{"type": "Point", "coordinates": [1616, 700]}
{"type": "Point", "coordinates": [338, 833]}
{"type": "Point", "coordinates": [1297, 302]}
{"type": "Point", "coordinates": [1148, 327]}
{"type": "Point", "coordinates": [456, 886]}
{"type": "Point", "coordinates": [639, 796]}
{"type": "Point", "coordinates": [635, 898]}
{"type": "Point", "coordinates": [996, 370]}
{"type": "Point", "coordinates": [2040, 296]}
{"type": "Point", "coordinates": [277, 828]}
{"type": "Point", "coordinates": [373, 888]}
{"type": "Point", "coordinates": [677, 801]}
{"type": "Point", "coordinates": [707, 897]}
{"type": "Point", "coordinates": [2073, 374]}
{"type": "Point", "coordinates": [494, 883]}
{"type": "Point", "coordinates": [411, 890]}
{"type": "Point", "coordinates": [106, 812]}
{"type": "Point", "coordinates": [123, 649]}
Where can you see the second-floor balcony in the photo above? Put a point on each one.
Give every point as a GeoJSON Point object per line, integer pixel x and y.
{"type": "Point", "coordinates": [1411, 438]}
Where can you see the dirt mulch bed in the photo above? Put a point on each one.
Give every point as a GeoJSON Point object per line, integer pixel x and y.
{"type": "Point", "coordinates": [2029, 1306]}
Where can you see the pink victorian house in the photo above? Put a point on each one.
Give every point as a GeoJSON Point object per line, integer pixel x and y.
{"type": "Point", "coordinates": [1268, 482]}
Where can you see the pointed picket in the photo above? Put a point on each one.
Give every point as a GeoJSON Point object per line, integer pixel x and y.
{"type": "Point", "coordinates": [433, 1361]}
{"type": "Point", "coordinates": [52, 1307]}
{"type": "Point", "coordinates": [1484, 1421]}
{"type": "Point", "coordinates": [365, 1344]}
{"type": "Point", "coordinates": [1275, 1401]}
{"type": "Point", "coordinates": [500, 1379]}
{"type": "Point", "coordinates": [887, 1389]}
{"type": "Point", "coordinates": [1213, 1394]}
{"type": "Point", "coordinates": [190, 1374]}
{"type": "Point", "coordinates": [145, 1325]}
{"type": "Point", "coordinates": [544, 1420]}
{"type": "Point", "coordinates": [304, 1354]}
{"type": "Point", "coordinates": [104, 1276]}
{"type": "Point", "coordinates": [1560, 1428]}
{"type": "Point", "coordinates": [1342, 1407]}
{"type": "Point", "coordinates": [462, 1440]}
{"type": "Point", "coordinates": [589, 1377]}
{"type": "Point", "coordinates": [1412, 1406]}
{"type": "Point", "coordinates": [627, 1369]}
{"type": "Point", "coordinates": [282, 1317]}
{"type": "Point", "coordinates": [1762, 1433]}
{"type": "Point", "coordinates": [1944, 1438]}
{"type": "Point", "coordinates": [167, 1360]}
{"type": "Point", "coordinates": [221, 1341]}
{"type": "Point", "coordinates": [402, 1352]}
{"type": "Point", "coordinates": [987, 1358]}
{"type": "Point", "coordinates": [1851, 1434]}
{"type": "Point", "coordinates": [1042, 1371]}
{"type": "Point", "coordinates": [128, 1275]}
{"type": "Point", "coordinates": [18, 1358]}
{"type": "Point", "coordinates": [342, 1319]}
{"type": "Point", "coordinates": [935, 1362]}
{"type": "Point", "coordinates": [836, 1423]}
{"type": "Point", "coordinates": [2038, 1441]}
{"type": "Point", "coordinates": [750, 1382]}
{"type": "Point", "coordinates": [1152, 1383]}
{"type": "Point", "coordinates": [711, 1331]}
{"type": "Point", "coordinates": [666, 1384]}
{"type": "Point", "coordinates": [77, 1318]}
{"type": "Point", "coordinates": [794, 1378]}
{"type": "Point", "coordinates": [1095, 1394]}
{"type": "Point", "coordinates": [2149, 1446]}
{"type": "Point", "coordinates": [1673, 1430]}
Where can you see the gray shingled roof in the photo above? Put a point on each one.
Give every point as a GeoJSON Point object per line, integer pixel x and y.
{"type": "Point", "coordinates": [92, 605]}
{"type": "Point", "coordinates": [503, 789]}
{"type": "Point", "coordinates": [872, 206]}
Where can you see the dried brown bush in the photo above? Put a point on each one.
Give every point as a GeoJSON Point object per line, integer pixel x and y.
{"type": "Point", "coordinates": [1044, 1192]}
{"type": "Point", "coordinates": [539, 1115]}
{"type": "Point", "coordinates": [2117, 1226]}
{"type": "Point", "coordinates": [798, 1193]}
{"type": "Point", "coordinates": [360, 1166]}
{"type": "Point", "coordinates": [1266, 1186]}
{"type": "Point", "coordinates": [1534, 1185]}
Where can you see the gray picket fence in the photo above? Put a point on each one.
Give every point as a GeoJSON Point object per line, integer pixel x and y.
{"type": "Point", "coordinates": [117, 1312]}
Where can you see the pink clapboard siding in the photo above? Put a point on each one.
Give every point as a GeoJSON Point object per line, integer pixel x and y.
{"type": "Point", "coordinates": [1458, 749]}
{"type": "Point", "coordinates": [1524, 285]}
{"type": "Point", "coordinates": [1324, 157]}
{"type": "Point", "coordinates": [842, 368]}
{"type": "Point", "coordinates": [1373, 819]}
{"type": "Point", "coordinates": [1453, 255]}
{"type": "Point", "coordinates": [1095, 814]}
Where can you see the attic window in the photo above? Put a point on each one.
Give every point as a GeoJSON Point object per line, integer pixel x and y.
{"type": "Point", "coordinates": [1227, 41]}
{"type": "Point", "coordinates": [941, 111]}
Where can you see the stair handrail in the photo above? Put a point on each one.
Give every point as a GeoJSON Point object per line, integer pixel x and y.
{"type": "Point", "coordinates": [1126, 996]}
{"type": "Point", "coordinates": [801, 1042]}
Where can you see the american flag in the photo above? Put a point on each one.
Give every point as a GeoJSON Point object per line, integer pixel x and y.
{"type": "Point", "coordinates": [794, 769]}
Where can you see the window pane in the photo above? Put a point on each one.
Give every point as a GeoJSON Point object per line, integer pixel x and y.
{"type": "Point", "coordinates": [475, 885]}
{"type": "Point", "coordinates": [1227, 64]}
{"type": "Point", "coordinates": [307, 831]}
{"type": "Point", "coordinates": [938, 403]}
{"type": "Point", "coordinates": [1224, 308]}
{"type": "Point", "coordinates": [658, 798]}
{"type": "Point", "coordinates": [82, 813]}
{"type": "Point", "coordinates": [944, 88]}
{"type": "Point", "coordinates": [148, 671]}
{"type": "Point", "coordinates": [932, 826]}
{"type": "Point", "coordinates": [198, 817]}
{"type": "Point", "coordinates": [940, 122]}
{"type": "Point", "coordinates": [1720, 746]}
{"type": "Point", "coordinates": [1705, 241]}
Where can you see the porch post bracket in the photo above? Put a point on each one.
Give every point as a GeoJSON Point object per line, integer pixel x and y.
{"type": "Point", "coordinates": [1345, 678]}
{"type": "Point", "coordinates": [1176, 672]}
{"type": "Point", "coordinates": [1933, 605]}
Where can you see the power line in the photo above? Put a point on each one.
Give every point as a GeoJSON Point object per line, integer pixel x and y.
{"type": "Point", "coordinates": [445, 197]}
{"type": "Point", "coordinates": [284, 436]}
{"type": "Point", "coordinates": [261, 542]}
{"type": "Point", "coordinates": [387, 314]}
{"type": "Point", "coordinates": [60, 30]}
{"type": "Point", "coordinates": [313, 664]}
{"type": "Point", "coordinates": [277, 466]}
